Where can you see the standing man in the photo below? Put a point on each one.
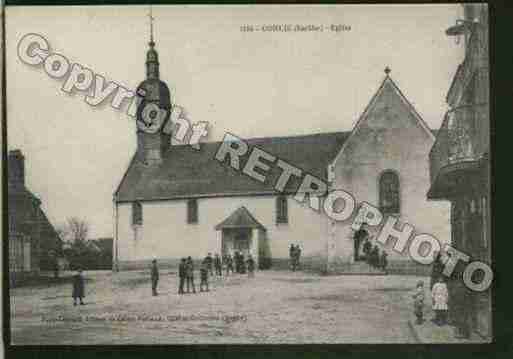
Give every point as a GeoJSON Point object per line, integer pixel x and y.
{"type": "Point", "coordinates": [154, 277]}
{"type": "Point", "coordinates": [218, 265]}
{"type": "Point", "coordinates": [298, 256]}
{"type": "Point", "coordinates": [251, 266]}
{"type": "Point", "coordinates": [436, 270]}
{"type": "Point", "coordinates": [359, 236]}
{"type": "Point", "coordinates": [383, 261]}
{"type": "Point", "coordinates": [374, 256]}
{"type": "Point", "coordinates": [204, 275]}
{"type": "Point", "coordinates": [242, 263]}
{"type": "Point", "coordinates": [236, 258]}
{"type": "Point", "coordinates": [292, 253]}
{"type": "Point", "coordinates": [190, 275]}
{"type": "Point", "coordinates": [367, 247]}
{"type": "Point", "coordinates": [182, 274]}
{"type": "Point", "coordinates": [210, 263]}
{"type": "Point", "coordinates": [229, 263]}
{"type": "Point", "coordinates": [78, 287]}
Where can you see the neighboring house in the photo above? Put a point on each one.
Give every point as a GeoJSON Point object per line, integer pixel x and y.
{"type": "Point", "coordinates": [91, 245]}
{"type": "Point", "coordinates": [104, 246]}
{"type": "Point", "coordinates": [459, 159]}
{"type": "Point", "coordinates": [176, 201]}
{"type": "Point", "coordinates": [32, 238]}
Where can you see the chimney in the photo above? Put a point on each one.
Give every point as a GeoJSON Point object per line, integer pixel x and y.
{"type": "Point", "coordinates": [16, 169]}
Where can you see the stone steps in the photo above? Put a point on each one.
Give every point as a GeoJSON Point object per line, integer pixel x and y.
{"type": "Point", "coordinates": [357, 268]}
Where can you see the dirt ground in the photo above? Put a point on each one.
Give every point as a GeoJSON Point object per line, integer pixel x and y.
{"type": "Point", "coordinates": [273, 307]}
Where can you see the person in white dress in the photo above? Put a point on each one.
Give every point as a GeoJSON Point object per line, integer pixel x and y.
{"type": "Point", "coordinates": [440, 296]}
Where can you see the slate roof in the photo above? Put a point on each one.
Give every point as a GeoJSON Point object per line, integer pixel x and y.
{"type": "Point", "coordinates": [240, 218]}
{"type": "Point", "coordinates": [188, 173]}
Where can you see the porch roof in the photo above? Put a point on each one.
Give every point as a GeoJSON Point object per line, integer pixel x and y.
{"type": "Point", "coordinates": [240, 218]}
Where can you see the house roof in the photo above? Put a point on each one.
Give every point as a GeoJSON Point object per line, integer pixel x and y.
{"type": "Point", "coordinates": [105, 244]}
{"type": "Point", "coordinates": [240, 218]}
{"type": "Point", "coordinates": [187, 173]}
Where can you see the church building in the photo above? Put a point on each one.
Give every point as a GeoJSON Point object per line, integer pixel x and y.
{"type": "Point", "coordinates": [176, 201]}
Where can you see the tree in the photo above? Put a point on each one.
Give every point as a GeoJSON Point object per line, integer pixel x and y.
{"type": "Point", "coordinates": [77, 229]}
{"type": "Point", "coordinates": [75, 232]}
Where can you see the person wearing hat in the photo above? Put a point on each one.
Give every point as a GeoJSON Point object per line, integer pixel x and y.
{"type": "Point", "coordinates": [418, 302]}
{"type": "Point", "coordinates": [190, 274]}
{"type": "Point", "coordinates": [210, 262]}
{"type": "Point", "coordinates": [229, 263]}
{"type": "Point", "coordinates": [360, 236]}
{"type": "Point", "coordinates": [251, 266]}
{"type": "Point", "coordinates": [78, 287]}
{"type": "Point", "coordinates": [440, 295]}
{"type": "Point", "coordinates": [218, 265]}
{"type": "Point", "coordinates": [204, 268]}
{"type": "Point", "coordinates": [182, 274]}
{"type": "Point", "coordinates": [154, 277]}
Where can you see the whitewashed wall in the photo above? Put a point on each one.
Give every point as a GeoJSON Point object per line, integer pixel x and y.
{"type": "Point", "coordinates": [390, 139]}
{"type": "Point", "coordinates": [165, 233]}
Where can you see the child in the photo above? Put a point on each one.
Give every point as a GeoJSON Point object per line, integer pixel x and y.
{"type": "Point", "coordinates": [189, 270]}
{"type": "Point", "coordinates": [251, 266]}
{"type": "Point", "coordinates": [204, 269]}
{"type": "Point", "coordinates": [383, 261]}
{"type": "Point", "coordinates": [182, 274]}
{"type": "Point", "coordinates": [440, 297]}
{"type": "Point", "coordinates": [218, 265]}
{"type": "Point", "coordinates": [78, 287]}
{"type": "Point", "coordinates": [229, 264]}
{"type": "Point", "coordinates": [418, 302]}
{"type": "Point", "coordinates": [154, 277]}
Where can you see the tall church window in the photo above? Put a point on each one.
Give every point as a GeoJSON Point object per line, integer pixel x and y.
{"type": "Point", "coordinates": [192, 211]}
{"type": "Point", "coordinates": [389, 193]}
{"type": "Point", "coordinates": [282, 215]}
{"type": "Point", "coordinates": [137, 213]}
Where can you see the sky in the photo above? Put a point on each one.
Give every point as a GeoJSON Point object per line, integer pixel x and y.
{"type": "Point", "coordinates": [251, 84]}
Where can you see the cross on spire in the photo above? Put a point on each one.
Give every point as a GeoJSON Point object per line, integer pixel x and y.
{"type": "Point", "coordinates": [387, 70]}
{"type": "Point", "coordinates": [150, 15]}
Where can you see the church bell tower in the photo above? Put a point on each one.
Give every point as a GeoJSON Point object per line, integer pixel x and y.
{"type": "Point", "coordinates": [153, 111]}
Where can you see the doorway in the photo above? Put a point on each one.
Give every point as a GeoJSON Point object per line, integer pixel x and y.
{"type": "Point", "coordinates": [236, 239]}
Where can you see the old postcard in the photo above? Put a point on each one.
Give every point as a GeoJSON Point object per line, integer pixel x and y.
{"type": "Point", "coordinates": [248, 174]}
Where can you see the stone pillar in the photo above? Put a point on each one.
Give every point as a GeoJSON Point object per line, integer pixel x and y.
{"type": "Point", "coordinates": [331, 246]}
{"type": "Point", "coordinates": [255, 245]}
{"type": "Point", "coordinates": [218, 245]}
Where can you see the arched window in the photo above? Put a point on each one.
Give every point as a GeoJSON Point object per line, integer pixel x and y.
{"type": "Point", "coordinates": [137, 214]}
{"type": "Point", "coordinates": [389, 193]}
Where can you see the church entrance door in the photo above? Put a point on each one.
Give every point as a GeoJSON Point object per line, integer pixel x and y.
{"type": "Point", "coordinates": [242, 241]}
{"type": "Point", "coordinates": [236, 240]}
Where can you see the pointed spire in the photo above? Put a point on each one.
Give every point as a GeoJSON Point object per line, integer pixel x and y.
{"type": "Point", "coordinates": [151, 43]}
{"type": "Point", "coordinates": [152, 57]}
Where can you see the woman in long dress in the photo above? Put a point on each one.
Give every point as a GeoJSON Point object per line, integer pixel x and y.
{"type": "Point", "coordinates": [440, 296]}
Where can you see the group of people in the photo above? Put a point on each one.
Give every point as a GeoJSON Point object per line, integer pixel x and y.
{"type": "Point", "coordinates": [439, 299]}
{"type": "Point", "coordinates": [374, 257]}
{"type": "Point", "coordinates": [208, 266]}
{"type": "Point", "coordinates": [295, 256]}
{"type": "Point", "coordinates": [439, 294]}
{"type": "Point", "coordinates": [242, 265]}
{"type": "Point", "coordinates": [371, 253]}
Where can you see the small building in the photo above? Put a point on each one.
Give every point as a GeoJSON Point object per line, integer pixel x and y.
{"type": "Point", "coordinates": [33, 240]}
{"type": "Point", "coordinates": [104, 249]}
{"type": "Point", "coordinates": [460, 163]}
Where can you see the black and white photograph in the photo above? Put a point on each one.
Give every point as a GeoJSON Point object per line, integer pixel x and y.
{"type": "Point", "coordinates": [248, 174]}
